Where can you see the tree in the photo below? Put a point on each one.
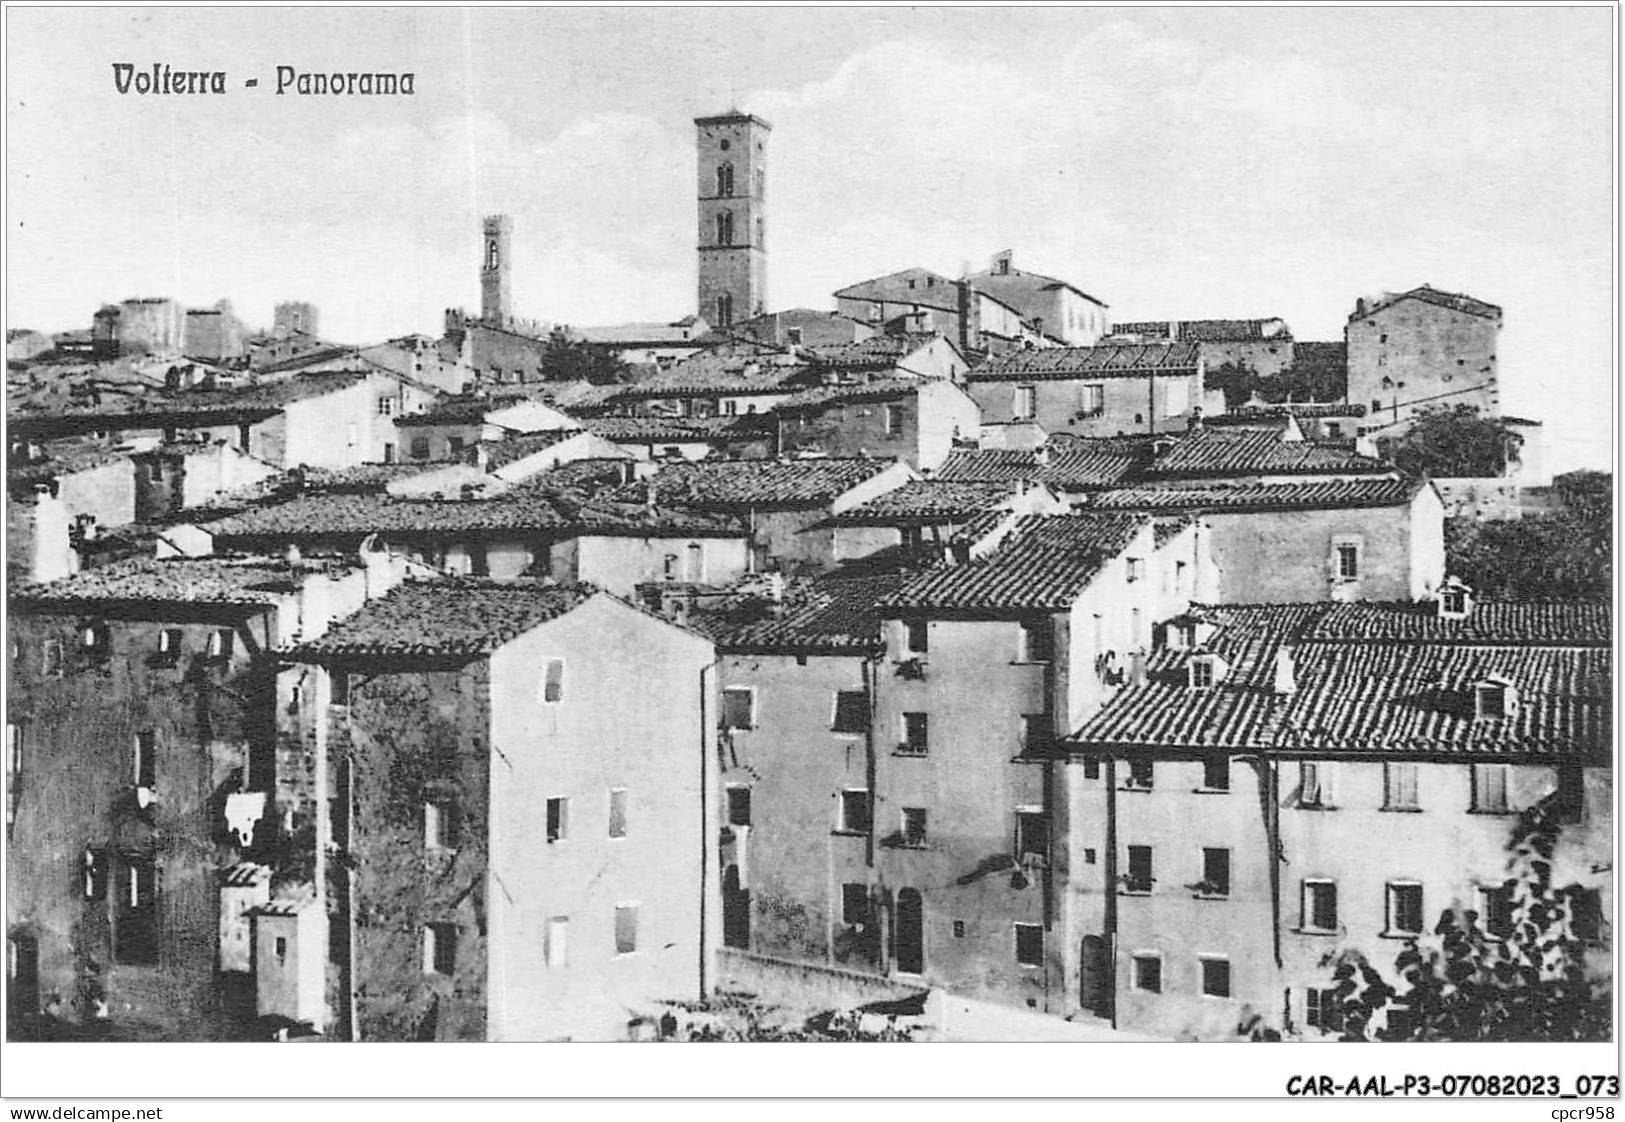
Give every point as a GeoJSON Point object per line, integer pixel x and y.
{"type": "Point", "coordinates": [1461, 984]}
{"type": "Point", "coordinates": [1453, 443]}
{"type": "Point", "coordinates": [567, 358]}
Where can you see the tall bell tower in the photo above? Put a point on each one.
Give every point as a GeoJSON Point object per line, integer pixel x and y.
{"type": "Point", "coordinates": [732, 152]}
{"type": "Point", "coordinates": [496, 269]}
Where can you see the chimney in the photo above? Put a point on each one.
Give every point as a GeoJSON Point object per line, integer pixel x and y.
{"type": "Point", "coordinates": [1196, 419]}
{"type": "Point", "coordinates": [1291, 434]}
{"type": "Point", "coordinates": [1136, 668]}
{"type": "Point", "coordinates": [1365, 446]}
{"type": "Point", "coordinates": [1286, 674]}
{"type": "Point", "coordinates": [1041, 455]}
{"type": "Point", "coordinates": [292, 554]}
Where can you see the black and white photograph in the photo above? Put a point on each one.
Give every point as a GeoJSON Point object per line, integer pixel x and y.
{"type": "Point", "coordinates": [995, 527]}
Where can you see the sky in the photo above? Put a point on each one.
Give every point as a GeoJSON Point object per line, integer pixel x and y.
{"type": "Point", "coordinates": [1175, 163]}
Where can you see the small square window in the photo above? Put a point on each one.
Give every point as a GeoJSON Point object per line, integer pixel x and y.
{"type": "Point", "coordinates": [1091, 767]}
{"type": "Point", "coordinates": [1136, 569]}
{"type": "Point", "coordinates": [169, 644]}
{"type": "Point", "coordinates": [855, 811]}
{"type": "Point", "coordinates": [855, 905]}
{"type": "Point", "coordinates": [144, 772]}
{"type": "Point", "coordinates": [1404, 908]}
{"type": "Point", "coordinates": [1029, 944]}
{"type": "Point", "coordinates": [1202, 673]}
{"type": "Point", "coordinates": [1140, 775]}
{"type": "Point", "coordinates": [51, 658]}
{"type": "Point", "coordinates": [1216, 977]}
{"type": "Point", "coordinates": [851, 712]}
{"type": "Point", "coordinates": [558, 819]}
{"type": "Point", "coordinates": [617, 812]}
{"type": "Point", "coordinates": [738, 707]}
{"type": "Point", "coordinates": [1322, 1010]}
{"type": "Point", "coordinates": [1037, 642]}
{"type": "Point", "coordinates": [1037, 733]}
{"type": "Point", "coordinates": [553, 681]}
{"type": "Point", "coordinates": [1348, 561]}
{"type": "Point", "coordinates": [738, 804]}
{"type": "Point", "coordinates": [1148, 973]}
{"type": "Point", "coordinates": [1216, 773]}
{"type": "Point", "coordinates": [626, 928]}
{"type": "Point", "coordinates": [1314, 785]}
{"type": "Point", "coordinates": [913, 826]}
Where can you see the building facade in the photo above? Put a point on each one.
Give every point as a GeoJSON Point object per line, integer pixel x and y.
{"type": "Point", "coordinates": [1422, 349]}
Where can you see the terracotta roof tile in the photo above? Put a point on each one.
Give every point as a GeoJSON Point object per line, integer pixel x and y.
{"type": "Point", "coordinates": [877, 351]}
{"type": "Point", "coordinates": [179, 580]}
{"type": "Point", "coordinates": [1044, 562]}
{"type": "Point", "coordinates": [1225, 497]}
{"type": "Point", "coordinates": [465, 616]}
{"type": "Point", "coordinates": [1208, 330]}
{"type": "Point", "coordinates": [1243, 451]}
{"type": "Point", "coordinates": [1564, 623]}
{"type": "Point", "coordinates": [926, 500]}
{"type": "Point", "coordinates": [734, 484]}
{"type": "Point", "coordinates": [460, 410]}
{"type": "Point", "coordinates": [1456, 301]}
{"type": "Point", "coordinates": [500, 453]}
{"type": "Point", "coordinates": [1124, 360]}
{"type": "Point", "coordinates": [830, 614]}
{"type": "Point", "coordinates": [822, 397]}
{"type": "Point", "coordinates": [675, 430]}
{"type": "Point", "coordinates": [1076, 464]}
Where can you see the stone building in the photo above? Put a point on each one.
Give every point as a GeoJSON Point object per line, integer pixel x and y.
{"type": "Point", "coordinates": [1055, 308]}
{"type": "Point", "coordinates": [523, 777]}
{"type": "Point", "coordinates": [213, 334]}
{"type": "Point", "coordinates": [927, 514]}
{"type": "Point", "coordinates": [296, 317]}
{"type": "Point", "coordinates": [732, 194]}
{"type": "Point", "coordinates": [141, 769]}
{"type": "Point", "coordinates": [154, 325]}
{"type": "Point", "coordinates": [1263, 346]}
{"type": "Point", "coordinates": [920, 301]}
{"type": "Point", "coordinates": [918, 421]}
{"type": "Point", "coordinates": [1422, 349]}
{"type": "Point", "coordinates": [1392, 748]}
{"type": "Point", "coordinates": [1108, 390]}
{"type": "Point", "coordinates": [803, 327]}
{"type": "Point", "coordinates": [496, 270]}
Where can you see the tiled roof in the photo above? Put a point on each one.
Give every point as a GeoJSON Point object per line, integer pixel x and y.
{"type": "Point", "coordinates": [930, 290]}
{"type": "Point", "coordinates": [1044, 562]}
{"type": "Point", "coordinates": [652, 334]}
{"type": "Point", "coordinates": [674, 430]}
{"type": "Point", "coordinates": [1455, 301]}
{"type": "Point", "coordinates": [822, 397]}
{"type": "Point", "coordinates": [1167, 529]}
{"type": "Point", "coordinates": [622, 517]}
{"type": "Point", "coordinates": [500, 453]}
{"type": "Point", "coordinates": [1207, 330]}
{"type": "Point", "coordinates": [833, 613]}
{"type": "Point", "coordinates": [461, 616]}
{"type": "Point", "coordinates": [263, 398]}
{"type": "Point", "coordinates": [1077, 464]}
{"type": "Point", "coordinates": [178, 580]}
{"type": "Point", "coordinates": [878, 351]}
{"type": "Point", "coordinates": [709, 373]}
{"type": "Point", "coordinates": [1566, 623]}
{"type": "Point", "coordinates": [1210, 453]}
{"type": "Point", "coordinates": [460, 410]}
{"type": "Point", "coordinates": [1360, 696]}
{"type": "Point", "coordinates": [734, 484]}
{"type": "Point", "coordinates": [1324, 495]}
{"type": "Point", "coordinates": [925, 501]}
{"type": "Point", "coordinates": [1125, 360]}
{"type": "Point", "coordinates": [66, 456]}
{"type": "Point", "coordinates": [1020, 282]}
{"type": "Point", "coordinates": [524, 508]}
{"type": "Point", "coordinates": [1279, 412]}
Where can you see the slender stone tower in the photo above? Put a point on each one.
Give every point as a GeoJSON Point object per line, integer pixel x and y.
{"type": "Point", "coordinates": [732, 152]}
{"type": "Point", "coordinates": [496, 270]}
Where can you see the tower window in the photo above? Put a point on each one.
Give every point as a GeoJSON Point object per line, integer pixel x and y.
{"type": "Point", "coordinates": [725, 228]}
{"type": "Point", "coordinates": [725, 179]}
{"type": "Point", "coordinates": [725, 307]}
{"type": "Point", "coordinates": [491, 254]}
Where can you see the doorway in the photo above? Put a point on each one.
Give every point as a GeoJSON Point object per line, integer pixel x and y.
{"type": "Point", "coordinates": [910, 944]}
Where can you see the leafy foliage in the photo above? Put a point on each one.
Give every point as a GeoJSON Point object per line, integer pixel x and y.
{"type": "Point", "coordinates": [567, 358]}
{"type": "Point", "coordinates": [1568, 554]}
{"type": "Point", "coordinates": [733, 1017]}
{"type": "Point", "coordinates": [1454, 443]}
{"type": "Point", "coordinates": [1461, 984]}
{"type": "Point", "coordinates": [1315, 374]}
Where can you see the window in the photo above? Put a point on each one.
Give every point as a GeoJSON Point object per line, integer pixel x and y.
{"type": "Point", "coordinates": [1586, 917]}
{"type": "Point", "coordinates": [738, 804]}
{"type": "Point", "coordinates": [1322, 1010]}
{"type": "Point", "coordinates": [1140, 776]}
{"type": "Point", "coordinates": [553, 681]}
{"type": "Point", "coordinates": [281, 949]}
{"type": "Point", "coordinates": [440, 823]}
{"type": "Point", "coordinates": [855, 904]}
{"type": "Point", "coordinates": [51, 658]}
{"type": "Point", "coordinates": [854, 811]}
{"type": "Point", "coordinates": [916, 734]}
{"type": "Point", "coordinates": [169, 646]}
{"type": "Point", "coordinates": [96, 641]}
{"type": "Point", "coordinates": [1571, 793]}
{"type": "Point", "coordinates": [1215, 872]}
{"type": "Point", "coordinates": [1203, 673]}
{"type": "Point", "coordinates": [14, 769]}
{"type": "Point", "coordinates": [558, 938]}
{"type": "Point", "coordinates": [135, 927]}
{"type": "Point", "coordinates": [1334, 430]}
{"type": "Point", "coordinates": [725, 228]}
{"type": "Point", "coordinates": [220, 644]}
{"type": "Point", "coordinates": [1216, 977]}
{"type": "Point", "coordinates": [851, 712]}
{"type": "Point", "coordinates": [1139, 878]}
{"type": "Point", "coordinates": [440, 948]}
{"type": "Point", "coordinates": [386, 407]}
{"type": "Point", "coordinates": [1346, 558]}
{"type": "Point", "coordinates": [1492, 700]}
{"type": "Point", "coordinates": [95, 873]}
{"type": "Point", "coordinates": [1216, 773]}
{"type": "Point", "coordinates": [144, 772]}
{"type": "Point", "coordinates": [1037, 642]}
{"type": "Point", "coordinates": [1490, 788]}
{"type": "Point", "coordinates": [1404, 908]}
{"type": "Point", "coordinates": [340, 685]}
{"type": "Point", "coordinates": [725, 309]}
{"type": "Point", "coordinates": [916, 636]}
{"type": "Point", "coordinates": [1136, 569]}
{"type": "Point", "coordinates": [1320, 905]}
{"type": "Point", "coordinates": [738, 707]}
{"type": "Point", "coordinates": [558, 820]}
{"type": "Point", "coordinates": [694, 563]}
{"type": "Point", "coordinates": [617, 812]}
{"type": "Point", "coordinates": [626, 928]}
{"type": "Point", "coordinates": [1026, 404]}
{"type": "Point", "coordinates": [1029, 944]}
{"type": "Point", "coordinates": [1091, 400]}
{"type": "Point", "coordinates": [1036, 733]}
{"type": "Point", "coordinates": [1148, 973]}
{"type": "Point", "coordinates": [1399, 787]}
{"type": "Point", "coordinates": [1032, 833]}
{"type": "Point", "coordinates": [1091, 767]}
{"type": "Point", "coordinates": [959, 929]}
{"type": "Point", "coordinates": [1495, 909]}
{"type": "Point", "coordinates": [420, 448]}
{"type": "Point", "coordinates": [1314, 788]}
{"type": "Point", "coordinates": [894, 419]}
{"type": "Point", "coordinates": [913, 820]}
{"type": "Point", "coordinates": [1453, 602]}
{"type": "Point", "coordinates": [725, 179]}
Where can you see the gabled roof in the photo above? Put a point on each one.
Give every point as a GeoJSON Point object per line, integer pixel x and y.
{"type": "Point", "coordinates": [463, 409]}
{"type": "Point", "coordinates": [1043, 563]}
{"type": "Point", "coordinates": [1210, 330]}
{"type": "Point", "coordinates": [924, 501]}
{"type": "Point", "coordinates": [1455, 301]}
{"type": "Point", "coordinates": [501, 453]}
{"type": "Point", "coordinates": [1225, 498]}
{"type": "Point", "coordinates": [1563, 623]}
{"type": "Point", "coordinates": [220, 580]}
{"type": "Point", "coordinates": [1066, 464]}
{"type": "Point", "coordinates": [1021, 282]}
{"type": "Point", "coordinates": [875, 352]}
{"type": "Point", "coordinates": [1125, 360]}
{"type": "Point", "coordinates": [453, 616]}
{"type": "Point", "coordinates": [930, 290]}
{"type": "Point", "coordinates": [66, 456]}
{"type": "Point", "coordinates": [738, 484]}
{"type": "Point", "coordinates": [1361, 697]}
{"type": "Point", "coordinates": [832, 614]}
{"type": "Point", "coordinates": [816, 398]}
{"type": "Point", "coordinates": [708, 373]}
{"type": "Point", "coordinates": [1252, 451]}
